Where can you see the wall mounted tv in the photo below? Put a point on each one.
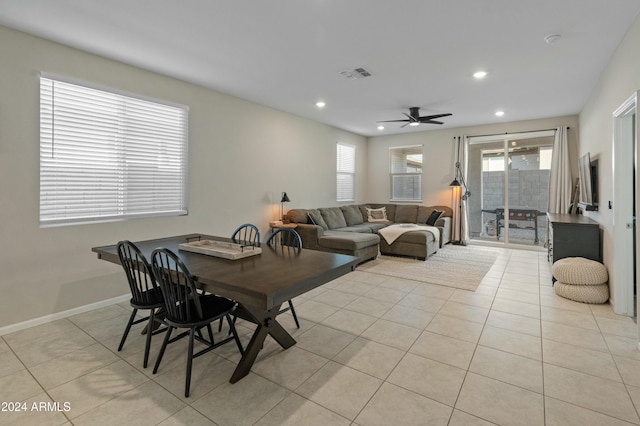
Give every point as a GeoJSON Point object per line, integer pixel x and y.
{"type": "Point", "coordinates": [588, 174]}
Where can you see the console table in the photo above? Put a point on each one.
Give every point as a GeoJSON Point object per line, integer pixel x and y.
{"type": "Point", "coordinates": [572, 236]}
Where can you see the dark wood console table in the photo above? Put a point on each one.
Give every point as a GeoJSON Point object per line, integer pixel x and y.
{"type": "Point", "coordinates": [572, 236]}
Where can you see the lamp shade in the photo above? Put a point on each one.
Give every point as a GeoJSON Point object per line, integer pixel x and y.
{"type": "Point", "coordinates": [455, 182]}
{"type": "Point", "coordinates": [285, 198]}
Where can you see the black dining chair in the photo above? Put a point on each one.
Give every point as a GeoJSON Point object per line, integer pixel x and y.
{"type": "Point", "coordinates": [246, 234]}
{"type": "Point", "coordinates": [286, 239]}
{"type": "Point", "coordinates": [186, 308]}
{"type": "Point", "coordinates": [145, 293]}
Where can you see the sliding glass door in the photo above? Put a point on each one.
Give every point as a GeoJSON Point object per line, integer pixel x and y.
{"type": "Point", "coordinates": [510, 176]}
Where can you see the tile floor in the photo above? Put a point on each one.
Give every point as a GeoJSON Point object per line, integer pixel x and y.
{"type": "Point", "coordinates": [372, 350]}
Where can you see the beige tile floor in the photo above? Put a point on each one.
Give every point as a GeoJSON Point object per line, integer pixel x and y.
{"type": "Point", "coordinates": [372, 350]}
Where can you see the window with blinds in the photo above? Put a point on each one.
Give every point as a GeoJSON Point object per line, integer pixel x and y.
{"type": "Point", "coordinates": [406, 173]}
{"type": "Point", "coordinates": [106, 155]}
{"type": "Point", "coordinates": [346, 172]}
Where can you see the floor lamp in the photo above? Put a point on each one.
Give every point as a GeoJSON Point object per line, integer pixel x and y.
{"type": "Point", "coordinates": [459, 184]}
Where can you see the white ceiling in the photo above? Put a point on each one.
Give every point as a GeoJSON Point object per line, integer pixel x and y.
{"type": "Point", "coordinates": [288, 54]}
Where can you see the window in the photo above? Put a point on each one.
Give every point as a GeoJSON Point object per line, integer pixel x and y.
{"type": "Point", "coordinates": [346, 172]}
{"type": "Point", "coordinates": [545, 157]}
{"type": "Point", "coordinates": [526, 158]}
{"type": "Point", "coordinates": [406, 173]}
{"type": "Point", "coordinates": [109, 156]}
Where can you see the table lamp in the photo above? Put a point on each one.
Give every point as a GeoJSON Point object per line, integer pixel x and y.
{"type": "Point", "coordinates": [284, 199]}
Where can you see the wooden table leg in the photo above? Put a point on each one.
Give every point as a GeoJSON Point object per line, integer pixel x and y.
{"type": "Point", "coordinates": [266, 324]}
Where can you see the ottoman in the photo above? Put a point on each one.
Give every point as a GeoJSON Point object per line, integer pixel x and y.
{"type": "Point", "coordinates": [582, 280]}
{"type": "Point", "coordinates": [420, 244]}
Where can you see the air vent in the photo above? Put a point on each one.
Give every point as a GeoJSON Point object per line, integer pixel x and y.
{"type": "Point", "coordinates": [356, 74]}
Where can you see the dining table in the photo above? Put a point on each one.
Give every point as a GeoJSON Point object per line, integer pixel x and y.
{"type": "Point", "coordinates": [260, 284]}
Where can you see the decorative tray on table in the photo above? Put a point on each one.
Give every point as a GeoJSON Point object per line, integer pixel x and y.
{"type": "Point", "coordinates": [222, 249]}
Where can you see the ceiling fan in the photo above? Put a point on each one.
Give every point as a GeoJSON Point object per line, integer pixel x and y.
{"type": "Point", "coordinates": [414, 119]}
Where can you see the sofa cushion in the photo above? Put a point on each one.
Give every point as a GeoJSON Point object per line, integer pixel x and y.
{"type": "Point", "coordinates": [347, 240]}
{"type": "Point", "coordinates": [406, 213]}
{"type": "Point", "coordinates": [363, 227]}
{"type": "Point", "coordinates": [423, 214]}
{"type": "Point", "coordinates": [376, 226]}
{"type": "Point", "coordinates": [316, 218]}
{"type": "Point", "coordinates": [433, 217]}
{"type": "Point", "coordinates": [333, 217]}
{"type": "Point", "coordinates": [352, 215]}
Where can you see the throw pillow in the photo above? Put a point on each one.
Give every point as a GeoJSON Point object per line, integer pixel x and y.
{"type": "Point", "coordinates": [433, 217]}
{"type": "Point", "coordinates": [317, 219]}
{"type": "Point", "coordinates": [377, 215]}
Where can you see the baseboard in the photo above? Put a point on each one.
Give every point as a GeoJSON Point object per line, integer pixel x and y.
{"type": "Point", "coordinates": [64, 314]}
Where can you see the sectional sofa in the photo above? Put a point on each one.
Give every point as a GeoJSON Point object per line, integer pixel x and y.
{"type": "Point", "coordinates": [354, 229]}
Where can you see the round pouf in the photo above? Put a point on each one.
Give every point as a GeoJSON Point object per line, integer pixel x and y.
{"type": "Point", "coordinates": [580, 271]}
{"type": "Point", "coordinates": [581, 280]}
{"type": "Point", "coordinates": [598, 293]}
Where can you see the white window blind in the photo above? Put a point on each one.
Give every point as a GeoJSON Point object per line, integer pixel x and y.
{"type": "Point", "coordinates": [109, 156]}
{"type": "Point", "coordinates": [346, 172]}
{"type": "Point", "coordinates": [406, 173]}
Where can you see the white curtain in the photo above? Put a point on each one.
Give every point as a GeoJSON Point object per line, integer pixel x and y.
{"type": "Point", "coordinates": [560, 177]}
{"type": "Point", "coordinates": [464, 238]}
{"type": "Point", "coordinates": [455, 206]}
{"type": "Point", "coordinates": [460, 209]}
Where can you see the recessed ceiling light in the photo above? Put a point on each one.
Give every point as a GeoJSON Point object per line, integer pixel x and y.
{"type": "Point", "coordinates": [320, 104]}
{"type": "Point", "coordinates": [499, 113]}
{"type": "Point", "coordinates": [381, 127]}
{"type": "Point", "coordinates": [480, 74]}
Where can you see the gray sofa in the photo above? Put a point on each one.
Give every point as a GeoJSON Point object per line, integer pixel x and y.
{"type": "Point", "coordinates": [347, 230]}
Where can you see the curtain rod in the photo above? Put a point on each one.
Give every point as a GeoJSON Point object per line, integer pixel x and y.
{"type": "Point", "coordinates": [507, 133]}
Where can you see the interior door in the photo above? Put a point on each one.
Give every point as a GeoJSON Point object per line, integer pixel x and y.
{"type": "Point", "coordinates": [624, 259]}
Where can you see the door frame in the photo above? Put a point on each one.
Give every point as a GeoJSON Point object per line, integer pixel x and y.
{"type": "Point", "coordinates": [624, 147]}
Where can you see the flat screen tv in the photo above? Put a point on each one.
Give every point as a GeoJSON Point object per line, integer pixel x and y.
{"type": "Point", "coordinates": [588, 175]}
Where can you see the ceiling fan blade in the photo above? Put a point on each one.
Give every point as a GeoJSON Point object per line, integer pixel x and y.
{"type": "Point", "coordinates": [429, 117]}
{"type": "Point", "coordinates": [404, 125]}
{"type": "Point", "coordinates": [412, 118]}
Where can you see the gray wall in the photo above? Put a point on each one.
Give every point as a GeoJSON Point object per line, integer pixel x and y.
{"type": "Point", "coordinates": [618, 82]}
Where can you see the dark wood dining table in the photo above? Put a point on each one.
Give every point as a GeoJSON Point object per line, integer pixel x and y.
{"type": "Point", "coordinates": [260, 284]}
